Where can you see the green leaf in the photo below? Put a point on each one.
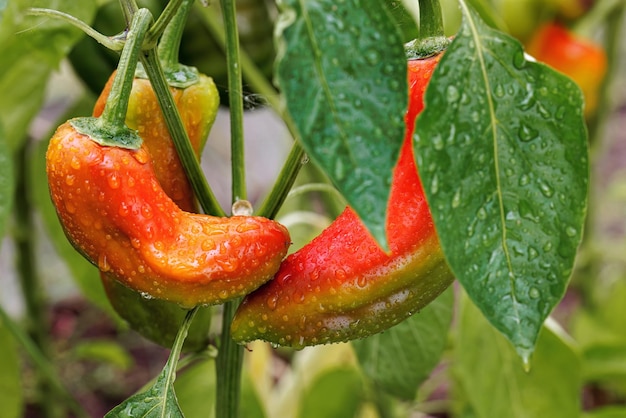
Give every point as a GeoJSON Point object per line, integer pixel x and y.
{"type": "Point", "coordinates": [83, 272]}
{"type": "Point", "coordinates": [404, 19]}
{"type": "Point", "coordinates": [34, 46]}
{"type": "Point", "coordinates": [104, 351]}
{"type": "Point", "coordinates": [11, 397]}
{"type": "Point", "coordinates": [337, 393]}
{"type": "Point", "coordinates": [7, 182]}
{"type": "Point", "coordinates": [502, 154]}
{"type": "Point", "coordinates": [195, 389]}
{"type": "Point", "coordinates": [342, 71]}
{"type": "Point", "coordinates": [159, 401]}
{"type": "Point", "coordinates": [401, 358]}
{"type": "Point", "coordinates": [490, 377]}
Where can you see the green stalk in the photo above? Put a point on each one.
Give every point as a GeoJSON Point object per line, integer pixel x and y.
{"type": "Point", "coordinates": [228, 367]}
{"type": "Point", "coordinates": [110, 128]}
{"type": "Point", "coordinates": [259, 83]}
{"type": "Point", "coordinates": [431, 19]}
{"type": "Point", "coordinates": [230, 355]}
{"type": "Point", "coordinates": [169, 45]}
{"type": "Point", "coordinates": [172, 361]}
{"type": "Point", "coordinates": [174, 123]}
{"type": "Point", "coordinates": [114, 114]}
{"type": "Point", "coordinates": [600, 12]}
{"type": "Point", "coordinates": [235, 97]}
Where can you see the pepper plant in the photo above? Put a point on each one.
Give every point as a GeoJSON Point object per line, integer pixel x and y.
{"type": "Point", "coordinates": [460, 165]}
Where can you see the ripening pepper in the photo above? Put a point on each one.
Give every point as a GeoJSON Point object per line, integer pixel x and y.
{"type": "Point", "coordinates": [582, 60]}
{"type": "Point", "coordinates": [342, 285]}
{"type": "Point", "coordinates": [116, 214]}
{"type": "Point", "coordinates": [197, 105]}
{"type": "Point", "coordinates": [155, 319]}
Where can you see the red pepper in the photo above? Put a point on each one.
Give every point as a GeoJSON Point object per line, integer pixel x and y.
{"type": "Point", "coordinates": [341, 285]}
{"type": "Point", "coordinates": [582, 60]}
{"type": "Point", "coordinates": [116, 214]}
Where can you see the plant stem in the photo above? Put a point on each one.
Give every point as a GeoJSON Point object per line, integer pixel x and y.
{"type": "Point", "coordinates": [235, 100]}
{"type": "Point", "coordinates": [174, 123]}
{"type": "Point", "coordinates": [177, 347]}
{"type": "Point", "coordinates": [228, 367]}
{"type": "Point", "coordinates": [259, 84]}
{"type": "Point", "coordinates": [600, 12]}
{"type": "Point", "coordinates": [114, 114]}
{"type": "Point", "coordinates": [169, 45]}
{"type": "Point", "coordinates": [431, 19]}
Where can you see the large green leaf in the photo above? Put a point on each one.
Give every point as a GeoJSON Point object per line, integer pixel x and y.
{"type": "Point", "coordinates": [490, 380]}
{"type": "Point", "coordinates": [11, 397]}
{"type": "Point", "coordinates": [7, 183]}
{"type": "Point", "coordinates": [401, 358]}
{"type": "Point", "coordinates": [34, 46]}
{"type": "Point", "coordinates": [342, 70]}
{"type": "Point", "coordinates": [501, 149]}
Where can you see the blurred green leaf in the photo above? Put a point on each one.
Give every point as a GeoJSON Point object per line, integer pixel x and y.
{"type": "Point", "coordinates": [11, 396]}
{"type": "Point", "coordinates": [342, 70]}
{"type": "Point", "coordinates": [7, 183]}
{"type": "Point", "coordinates": [401, 358]}
{"type": "Point", "coordinates": [338, 393]}
{"type": "Point", "coordinates": [105, 351]}
{"type": "Point", "coordinates": [195, 389]}
{"type": "Point", "coordinates": [510, 213]}
{"type": "Point", "coordinates": [490, 378]}
{"type": "Point", "coordinates": [34, 46]}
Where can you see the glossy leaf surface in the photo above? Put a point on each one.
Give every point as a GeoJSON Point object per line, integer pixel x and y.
{"type": "Point", "coordinates": [342, 71]}
{"type": "Point", "coordinates": [502, 154]}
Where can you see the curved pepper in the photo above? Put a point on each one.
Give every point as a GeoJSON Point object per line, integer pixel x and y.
{"type": "Point", "coordinates": [156, 319]}
{"type": "Point", "coordinates": [582, 60]}
{"type": "Point", "coordinates": [116, 214]}
{"type": "Point", "coordinates": [342, 286]}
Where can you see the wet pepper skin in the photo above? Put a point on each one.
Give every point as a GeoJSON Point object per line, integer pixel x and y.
{"type": "Point", "coordinates": [197, 105]}
{"type": "Point", "coordinates": [156, 319]}
{"type": "Point", "coordinates": [342, 286]}
{"type": "Point", "coordinates": [580, 59]}
{"type": "Point", "coordinates": [115, 213]}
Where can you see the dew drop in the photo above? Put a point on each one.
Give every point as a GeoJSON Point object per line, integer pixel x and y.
{"type": "Point", "coordinates": [208, 245]}
{"type": "Point", "coordinates": [103, 264]}
{"type": "Point", "coordinates": [272, 302]}
{"type": "Point", "coordinates": [452, 94]}
{"type": "Point", "coordinates": [114, 181]}
{"type": "Point", "coordinates": [547, 247]}
{"type": "Point", "coordinates": [546, 190]}
{"type": "Point", "coordinates": [223, 294]}
{"type": "Point", "coordinates": [434, 185]}
{"type": "Point", "coordinates": [70, 179]}
{"type": "Point", "coordinates": [242, 208]}
{"type": "Point", "coordinates": [570, 231]}
{"type": "Point", "coordinates": [532, 253]}
{"type": "Point", "coordinates": [69, 207]}
{"type": "Point", "coordinates": [499, 91]}
{"type": "Point", "coordinates": [438, 142]}
{"type": "Point", "coordinates": [524, 180]}
{"type": "Point", "coordinates": [456, 199]}
{"type": "Point", "coordinates": [75, 163]}
{"type": "Point", "coordinates": [481, 214]}
{"type": "Point", "coordinates": [527, 133]}
{"type": "Point", "coordinates": [533, 293]}
{"type": "Point", "coordinates": [372, 57]}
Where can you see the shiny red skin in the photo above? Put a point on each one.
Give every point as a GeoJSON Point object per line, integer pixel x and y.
{"type": "Point", "coordinates": [342, 285]}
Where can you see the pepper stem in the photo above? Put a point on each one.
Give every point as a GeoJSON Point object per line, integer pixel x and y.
{"type": "Point", "coordinates": [110, 128]}
{"type": "Point", "coordinates": [114, 113]}
{"type": "Point", "coordinates": [169, 45]}
{"type": "Point", "coordinates": [431, 19]}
